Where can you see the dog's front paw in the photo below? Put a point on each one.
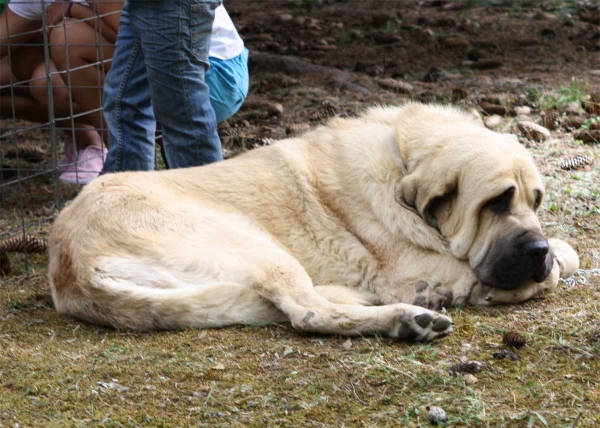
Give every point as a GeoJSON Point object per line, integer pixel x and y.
{"type": "Point", "coordinates": [421, 325]}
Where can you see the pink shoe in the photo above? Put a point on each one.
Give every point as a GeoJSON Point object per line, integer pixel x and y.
{"type": "Point", "coordinates": [69, 153]}
{"type": "Point", "coordinates": [88, 166]}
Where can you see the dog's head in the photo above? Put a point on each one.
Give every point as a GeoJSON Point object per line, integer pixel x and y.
{"type": "Point", "coordinates": [479, 189]}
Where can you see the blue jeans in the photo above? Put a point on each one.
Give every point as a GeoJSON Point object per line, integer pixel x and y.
{"type": "Point", "coordinates": [158, 73]}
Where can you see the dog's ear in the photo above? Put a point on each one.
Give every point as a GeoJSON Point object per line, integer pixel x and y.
{"type": "Point", "coordinates": [424, 195]}
{"type": "Point", "coordinates": [430, 178]}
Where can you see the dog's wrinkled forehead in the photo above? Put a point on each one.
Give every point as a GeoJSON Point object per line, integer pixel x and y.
{"type": "Point", "coordinates": [500, 157]}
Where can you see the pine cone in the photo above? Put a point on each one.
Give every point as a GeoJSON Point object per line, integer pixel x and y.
{"type": "Point", "coordinates": [18, 245]}
{"type": "Point", "coordinates": [296, 129]}
{"type": "Point", "coordinates": [577, 162]}
{"type": "Point", "coordinates": [592, 106]}
{"type": "Point", "coordinates": [306, 90]}
{"type": "Point", "coordinates": [281, 80]}
{"type": "Point", "coordinates": [533, 131]}
{"type": "Point", "coordinates": [467, 367]}
{"type": "Point", "coordinates": [550, 120]}
{"type": "Point", "coordinates": [226, 130]}
{"type": "Point", "coordinates": [497, 98]}
{"type": "Point", "coordinates": [4, 263]}
{"type": "Point", "coordinates": [323, 112]}
{"type": "Point", "coordinates": [514, 338]}
{"type": "Point", "coordinates": [591, 136]}
{"type": "Point", "coordinates": [254, 143]}
{"type": "Point", "coordinates": [25, 152]}
{"type": "Point", "coordinates": [395, 85]}
{"type": "Point", "coordinates": [492, 109]}
{"type": "Point", "coordinates": [574, 122]}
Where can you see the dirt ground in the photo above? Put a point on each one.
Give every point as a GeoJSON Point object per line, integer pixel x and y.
{"type": "Point", "coordinates": [528, 61]}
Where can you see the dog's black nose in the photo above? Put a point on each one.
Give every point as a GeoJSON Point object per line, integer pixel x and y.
{"type": "Point", "coordinates": [537, 249]}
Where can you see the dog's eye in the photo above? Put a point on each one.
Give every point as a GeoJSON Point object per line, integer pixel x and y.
{"type": "Point", "coordinates": [538, 200]}
{"type": "Point", "coordinates": [501, 204]}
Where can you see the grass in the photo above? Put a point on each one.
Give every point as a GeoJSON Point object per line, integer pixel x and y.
{"type": "Point", "coordinates": [559, 98]}
{"type": "Point", "coordinates": [56, 371]}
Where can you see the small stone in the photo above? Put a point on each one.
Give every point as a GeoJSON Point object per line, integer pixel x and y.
{"type": "Point", "coordinates": [470, 379]}
{"type": "Point", "coordinates": [436, 415]}
{"type": "Point", "coordinates": [275, 109]}
{"type": "Point", "coordinates": [285, 17]}
{"type": "Point", "coordinates": [356, 34]}
{"type": "Point", "coordinates": [492, 122]}
{"type": "Point", "coordinates": [573, 108]}
{"type": "Point", "coordinates": [505, 354]}
{"type": "Point", "coordinates": [533, 131]}
{"type": "Point", "coordinates": [466, 367]}
{"type": "Point", "coordinates": [522, 110]}
{"type": "Point", "coordinates": [347, 344]}
{"type": "Point", "coordinates": [299, 20]}
{"type": "Point", "coordinates": [219, 366]}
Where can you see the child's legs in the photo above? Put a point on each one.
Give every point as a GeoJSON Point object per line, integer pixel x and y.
{"type": "Point", "coordinates": [30, 98]}
{"type": "Point", "coordinates": [83, 133]}
{"type": "Point", "coordinates": [80, 51]}
{"type": "Point", "coordinates": [128, 106]}
{"type": "Point", "coordinates": [228, 81]}
{"type": "Point", "coordinates": [176, 62]}
{"type": "Point", "coordinates": [17, 101]}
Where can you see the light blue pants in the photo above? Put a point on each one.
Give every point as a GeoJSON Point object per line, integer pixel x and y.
{"type": "Point", "coordinates": [158, 73]}
{"type": "Point", "coordinates": [228, 81]}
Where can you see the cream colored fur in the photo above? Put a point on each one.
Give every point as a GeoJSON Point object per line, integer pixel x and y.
{"type": "Point", "coordinates": [312, 230]}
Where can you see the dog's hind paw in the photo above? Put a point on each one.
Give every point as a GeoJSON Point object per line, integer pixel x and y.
{"type": "Point", "coordinates": [421, 325]}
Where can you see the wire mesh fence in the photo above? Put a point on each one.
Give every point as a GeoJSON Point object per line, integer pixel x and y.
{"type": "Point", "coordinates": [54, 58]}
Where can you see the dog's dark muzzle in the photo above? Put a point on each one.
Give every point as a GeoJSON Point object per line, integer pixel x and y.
{"type": "Point", "coordinates": [512, 262]}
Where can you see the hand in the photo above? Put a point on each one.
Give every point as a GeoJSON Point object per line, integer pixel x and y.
{"type": "Point", "coordinates": [55, 12]}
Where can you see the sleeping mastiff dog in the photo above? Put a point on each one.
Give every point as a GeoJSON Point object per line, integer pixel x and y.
{"type": "Point", "coordinates": [363, 226]}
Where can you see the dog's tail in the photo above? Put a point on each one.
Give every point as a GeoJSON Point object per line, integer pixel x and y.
{"type": "Point", "coordinates": [127, 294]}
